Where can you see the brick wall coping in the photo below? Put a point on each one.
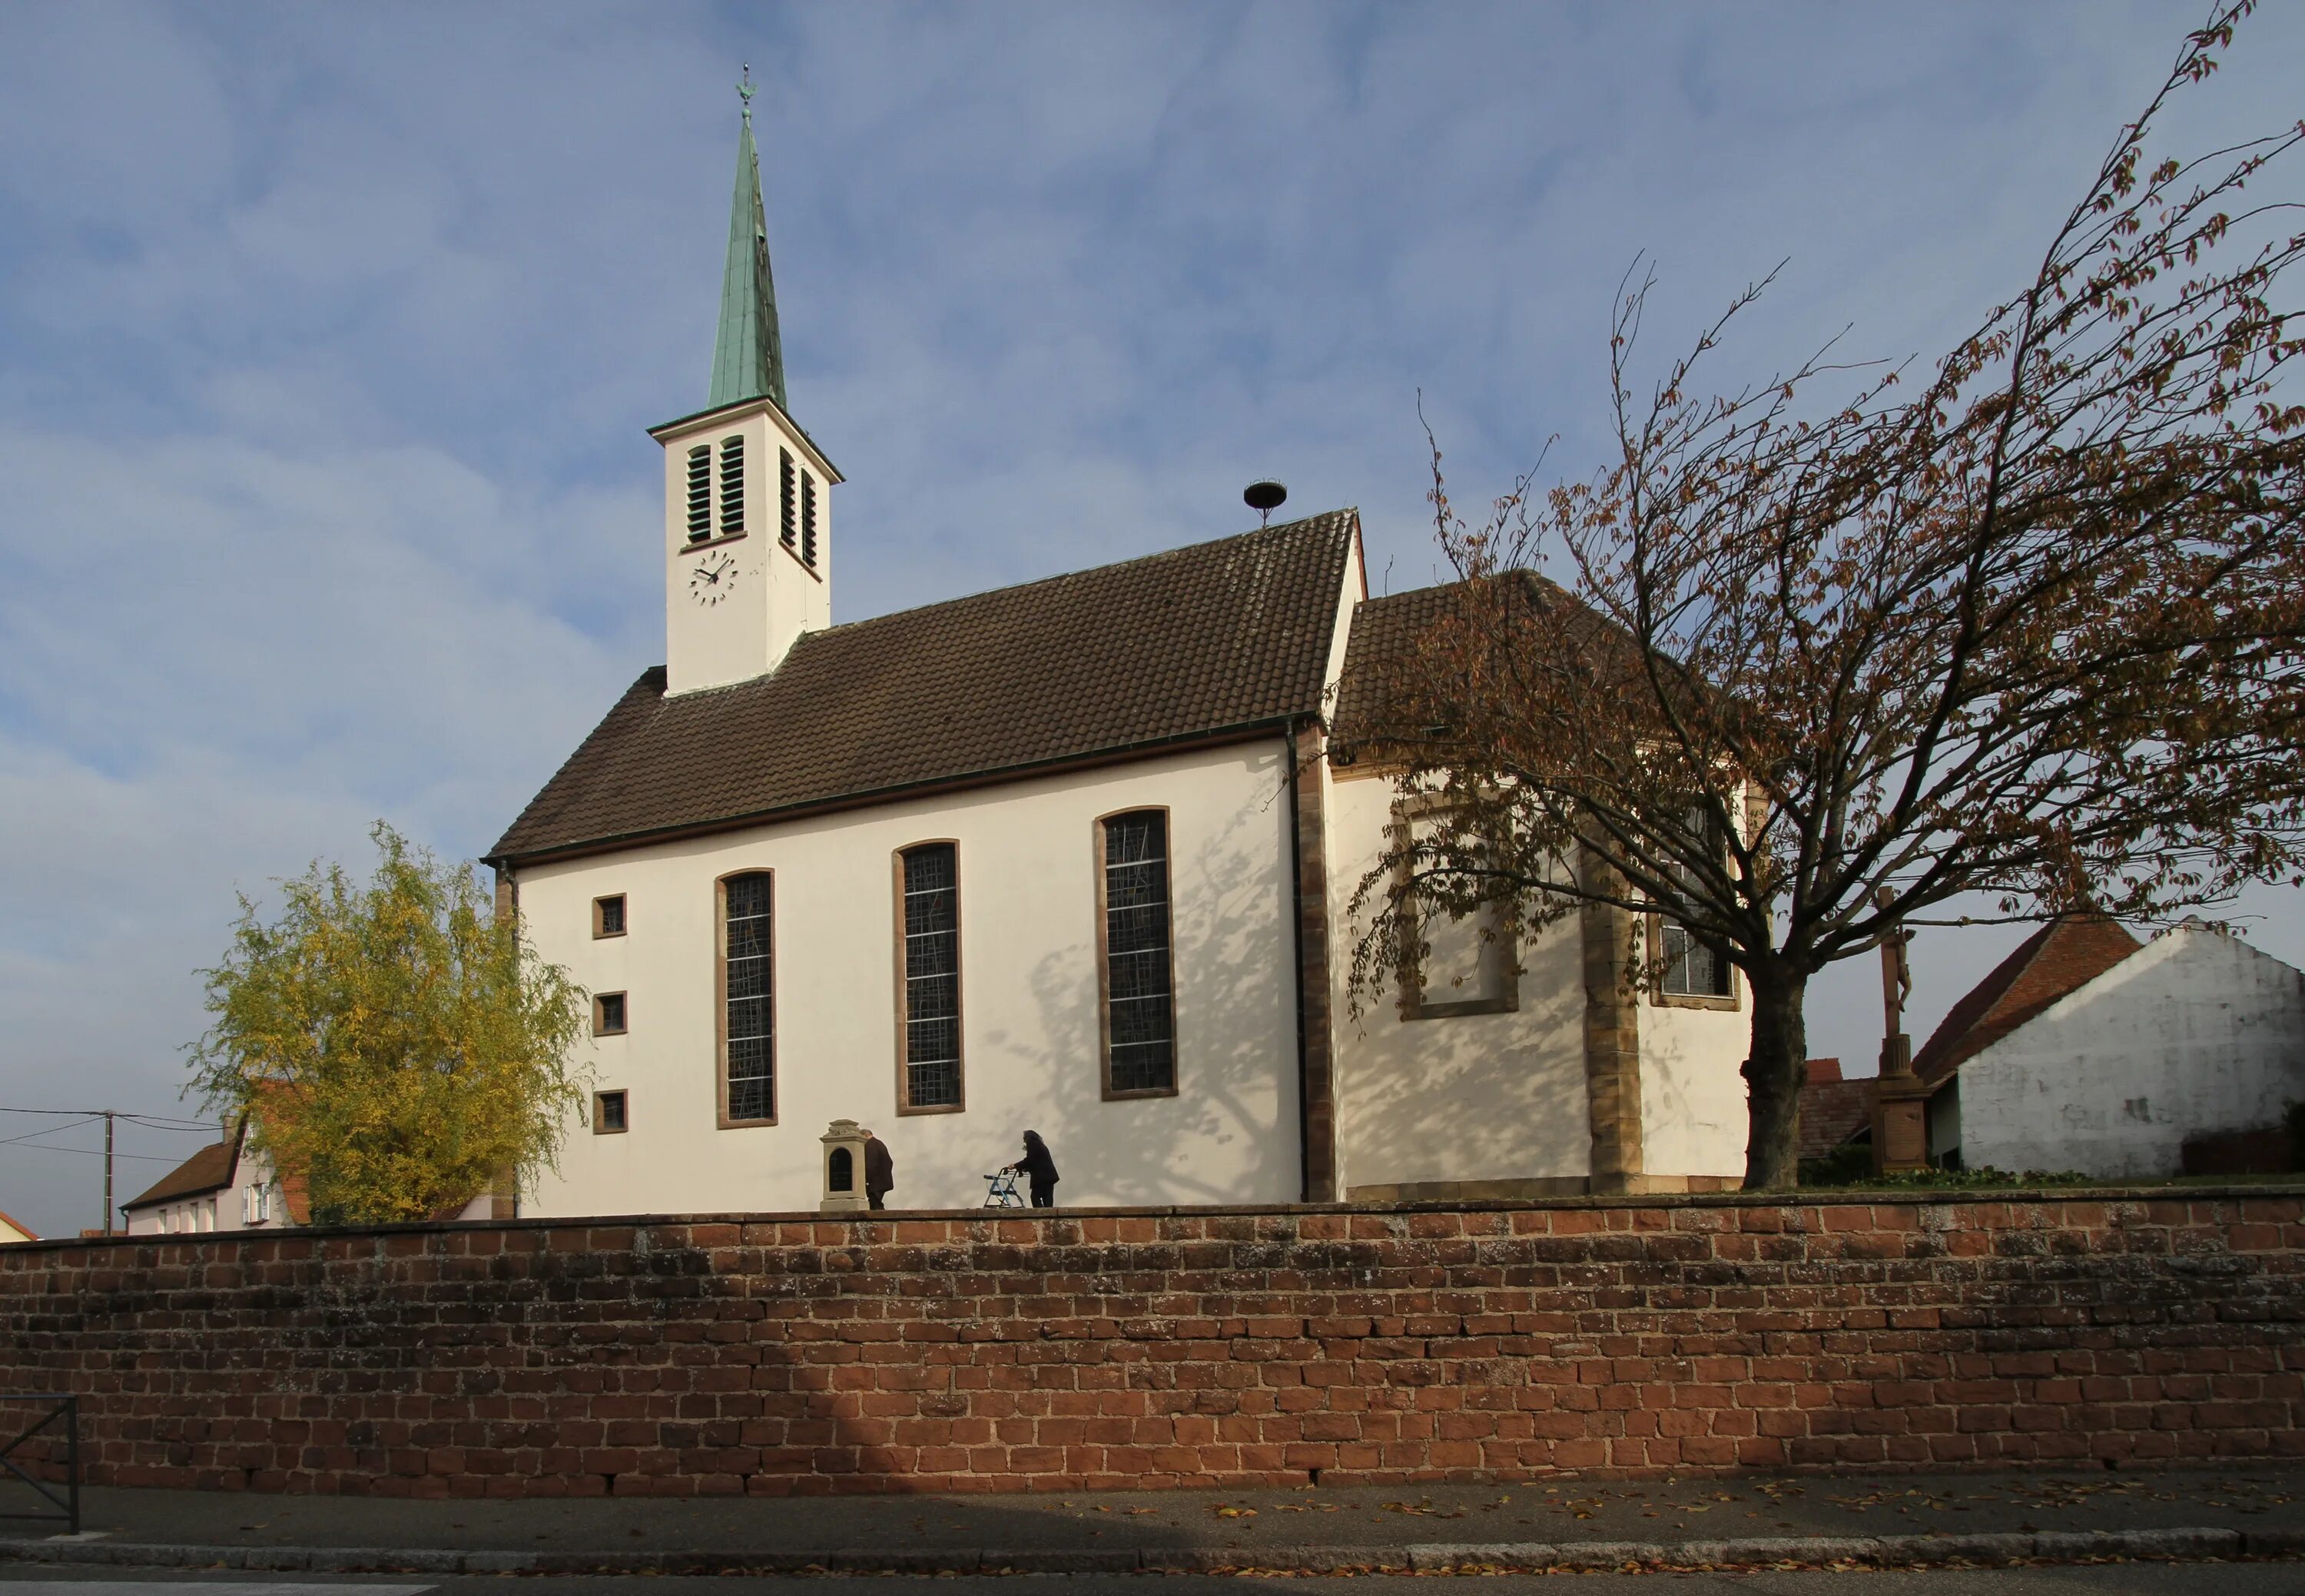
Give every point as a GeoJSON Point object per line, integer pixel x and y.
{"type": "Point", "coordinates": [1836, 1198]}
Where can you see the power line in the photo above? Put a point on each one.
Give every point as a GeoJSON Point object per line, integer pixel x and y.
{"type": "Point", "coordinates": [111, 1118]}
{"type": "Point", "coordinates": [153, 1122]}
{"type": "Point", "coordinates": [158, 1122]}
{"type": "Point", "coordinates": [51, 1131]}
{"type": "Point", "coordinates": [49, 1146]}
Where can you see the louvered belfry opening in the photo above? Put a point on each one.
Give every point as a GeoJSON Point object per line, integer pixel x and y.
{"type": "Point", "coordinates": [699, 493]}
{"type": "Point", "coordinates": [731, 485]}
{"type": "Point", "coordinates": [932, 976]}
{"type": "Point", "coordinates": [785, 493]}
{"type": "Point", "coordinates": [807, 520]}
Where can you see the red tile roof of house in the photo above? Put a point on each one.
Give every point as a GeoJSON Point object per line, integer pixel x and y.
{"type": "Point", "coordinates": [2059, 958]}
{"type": "Point", "coordinates": [20, 1228]}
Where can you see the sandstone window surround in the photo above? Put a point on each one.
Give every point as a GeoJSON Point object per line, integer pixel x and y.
{"type": "Point", "coordinates": [745, 976]}
{"type": "Point", "coordinates": [1474, 960]}
{"type": "Point", "coordinates": [929, 1078]}
{"type": "Point", "coordinates": [609, 916]}
{"type": "Point", "coordinates": [611, 1113]}
{"type": "Point", "coordinates": [608, 1014]}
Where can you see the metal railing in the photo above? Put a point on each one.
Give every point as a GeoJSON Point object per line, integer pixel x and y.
{"type": "Point", "coordinates": [63, 1408]}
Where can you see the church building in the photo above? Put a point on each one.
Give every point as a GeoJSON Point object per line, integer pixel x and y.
{"type": "Point", "coordinates": [1069, 856]}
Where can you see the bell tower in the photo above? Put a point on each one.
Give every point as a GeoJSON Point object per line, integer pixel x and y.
{"type": "Point", "coordinates": [747, 494]}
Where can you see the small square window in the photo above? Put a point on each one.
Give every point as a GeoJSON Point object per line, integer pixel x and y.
{"type": "Point", "coordinates": [608, 1114]}
{"type": "Point", "coordinates": [609, 916]}
{"type": "Point", "coordinates": [608, 1014]}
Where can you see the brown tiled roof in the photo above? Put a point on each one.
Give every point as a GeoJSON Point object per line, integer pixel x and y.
{"type": "Point", "coordinates": [1386, 631]}
{"type": "Point", "coordinates": [1209, 639]}
{"type": "Point", "coordinates": [208, 1170]}
{"type": "Point", "coordinates": [2062, 957]}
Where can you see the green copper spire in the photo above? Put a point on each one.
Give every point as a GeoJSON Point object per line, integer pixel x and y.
{"type": "Point", "coordinates": [748, 358]}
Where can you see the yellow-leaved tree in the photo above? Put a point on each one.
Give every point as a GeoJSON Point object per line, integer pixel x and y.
{"type": "Point", "coordinates": [397, 1048]}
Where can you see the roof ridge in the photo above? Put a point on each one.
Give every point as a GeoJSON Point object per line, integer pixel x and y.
{"type": "Point", "coordinates": [1094, 570]}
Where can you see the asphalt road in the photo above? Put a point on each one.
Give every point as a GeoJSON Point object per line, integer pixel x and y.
{"type": "Point", "coordinates": [2102, 1579]}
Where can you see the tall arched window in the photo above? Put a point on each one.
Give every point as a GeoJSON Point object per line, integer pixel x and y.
{"type": "Point", "coordinates": [731, 485]}
{"type": "Point", "coordinates": [1138, 1012]}
{"type": "Point", "coordinates": [748, 1010]}
{"type": "Point", "coordinates": [928, 1029]}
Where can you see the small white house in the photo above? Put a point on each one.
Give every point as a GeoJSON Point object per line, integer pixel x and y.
{"type": "Point", "coordinates": [231, 1185]}
{"type": "Point", "coordinates": [226, 1185]}
{"type": "Point", "coordinates": [12, 1231]}
{"type": "Point", "coordinates": [2087, 1050]}
{"type": "Point", "coordinates": [1067, 857]}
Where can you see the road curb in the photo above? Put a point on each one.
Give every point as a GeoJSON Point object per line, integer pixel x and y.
{"type": "Point", "coordinates": [1432, 1558]}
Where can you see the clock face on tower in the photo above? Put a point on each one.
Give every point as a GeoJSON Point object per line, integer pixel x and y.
{"type": "Point", "coordinates": [711, 577]}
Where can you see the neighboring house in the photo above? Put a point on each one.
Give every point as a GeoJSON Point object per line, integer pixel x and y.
{"type": "Point", "coordinates": [231, 1185]}
{"type": "Point", "coordinates": [226, 1185]}
{"type": "Point", "coordinates": [2087, 1050]}
{"type": "Point", "coordinates": [1833, 1111]}
{"type": "Point", "coordinates": [1066, 856]}
{"type": "Point", "coordinates": [10, 1231]}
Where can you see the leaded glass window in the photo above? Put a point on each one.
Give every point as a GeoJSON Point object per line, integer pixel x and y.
{"type": "Point", "coordinates": [931, 977]}
{"type": "Point", "coordinates": [747, 970]}
{"type": "Point", "coordinates": [1140, 1008]}
{"type": "Point", "coordinates": [1693, 967]}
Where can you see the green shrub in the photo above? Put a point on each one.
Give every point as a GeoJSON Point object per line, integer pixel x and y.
{"type": "Point", "coordinates": [1851, 1164]}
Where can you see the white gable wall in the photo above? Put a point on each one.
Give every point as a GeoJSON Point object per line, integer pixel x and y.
{"type": "Point", "coordinates": [1484, 1098]}
{"type": "Point", "coordinates": [2195, 1032]}
{"type": "Point", "coordinates": [1029, 867]}
{"type": "Point", "coordinates": [1473, 1098]}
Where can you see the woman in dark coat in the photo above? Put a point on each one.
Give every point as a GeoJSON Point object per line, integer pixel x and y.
{"type": "Point", "coordinates": [1037, 1167]}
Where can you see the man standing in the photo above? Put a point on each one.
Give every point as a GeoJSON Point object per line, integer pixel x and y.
{"type": "Point", "coordinates": [879, 1170]}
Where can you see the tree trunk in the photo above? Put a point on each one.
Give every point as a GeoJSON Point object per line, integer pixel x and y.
{"type": "Point", "coordinates": [1773, 1076]}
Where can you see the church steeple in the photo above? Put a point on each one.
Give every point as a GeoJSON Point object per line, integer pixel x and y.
{"type": "Point", "coordinates": [748, 357]}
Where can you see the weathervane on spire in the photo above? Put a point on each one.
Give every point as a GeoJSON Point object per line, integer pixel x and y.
{"type": "Point", "coordinates": [745, 90]}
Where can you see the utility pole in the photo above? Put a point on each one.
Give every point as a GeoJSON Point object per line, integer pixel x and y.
{"type": "Point", "coordinates": [107, 1169]}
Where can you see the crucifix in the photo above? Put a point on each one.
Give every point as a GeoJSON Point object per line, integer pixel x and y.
{"type": "Point", "coordinates": [1900, 1131]}
{"type": "Point", "coordinates": [1896, 987]}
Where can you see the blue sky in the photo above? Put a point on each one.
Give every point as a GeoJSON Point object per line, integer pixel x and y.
{"type": "Point", "coordinates": [327, 337]}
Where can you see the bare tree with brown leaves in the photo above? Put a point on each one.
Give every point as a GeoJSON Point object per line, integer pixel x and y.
{"type": "Point", "coordinates": [2033, 631]}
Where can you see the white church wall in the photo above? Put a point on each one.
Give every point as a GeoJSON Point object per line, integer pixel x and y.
{"type": "Point", "coordinates": [2195, 1032]}
{"type": "Point", "coordinates": [1472, 1098]}
{"type": "Point", "coordinates": [1694, 1119]}
{"type": "Point", "coordinates": [1028, 874]}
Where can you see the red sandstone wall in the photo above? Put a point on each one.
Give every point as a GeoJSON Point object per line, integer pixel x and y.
{"type": "Point", "coordinates": [971, 1354]}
